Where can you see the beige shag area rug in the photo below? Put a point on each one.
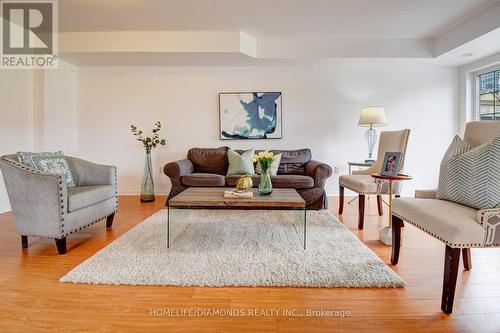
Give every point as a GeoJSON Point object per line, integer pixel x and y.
{"type": "Point", "coordinates": [237, 248]}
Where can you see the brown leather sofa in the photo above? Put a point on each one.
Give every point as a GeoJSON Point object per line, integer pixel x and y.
{"type": "Point", "coordinates": [207, 167]}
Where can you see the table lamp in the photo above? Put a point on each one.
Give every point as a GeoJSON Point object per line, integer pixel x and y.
{"type": "Point", "coordinates": [371, 116]}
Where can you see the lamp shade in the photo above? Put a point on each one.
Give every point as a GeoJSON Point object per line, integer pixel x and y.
{"type": "Point", "coordinates": [372, 115]}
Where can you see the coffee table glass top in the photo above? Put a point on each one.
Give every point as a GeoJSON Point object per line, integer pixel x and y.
{"type": "Point", "coordinates": [214, 197]}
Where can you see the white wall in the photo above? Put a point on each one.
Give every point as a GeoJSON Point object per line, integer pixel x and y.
{"type": "Point", "coordinates": [16, 118]}
{"type": "Point", "coordinates": [321, 104]}
{"type": "Point", "coordinates": [59, 104]}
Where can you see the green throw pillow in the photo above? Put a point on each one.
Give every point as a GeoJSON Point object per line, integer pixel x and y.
{"type": "Point", "coordinates": [471, 176]}
{"type": "Point", "coordinates": [49, 162]}
{"type": "Point", "coordinates": [240, 164]}
{"type": "Point", "coordinates": [274, 166]}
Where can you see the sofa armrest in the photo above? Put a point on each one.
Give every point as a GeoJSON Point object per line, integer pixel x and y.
{"type": "Point", "coordinates": [179, 168]}
{"type": "Point", "coordinates": [87, 173]}
{"type": "Point", "coordinates": [319, 172]}
{"type": "Point", "coordinates": [38, 199]}
{"type": "Point", "coordinates": [425, 194]}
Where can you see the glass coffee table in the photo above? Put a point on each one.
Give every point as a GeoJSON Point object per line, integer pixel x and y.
{"type": "Point", "coordinates": [213, 198]}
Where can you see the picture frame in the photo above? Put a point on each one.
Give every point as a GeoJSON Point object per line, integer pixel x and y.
{"type": "Point", "coordinates": [250, 115]}
{"type": "Point", "coordinates": [392, 164]}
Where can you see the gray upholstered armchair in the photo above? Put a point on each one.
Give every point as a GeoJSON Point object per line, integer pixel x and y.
{"type": "Point", "coordinates": [459, 227]}
{"type": "Point", "coordinates": [44, 207]}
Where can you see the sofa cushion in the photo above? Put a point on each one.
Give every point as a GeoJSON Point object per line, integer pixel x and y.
{"type": "Point", "coordinates": [86, 196]}
{"type": "Point", "coordinates": [209, 160]}
{"type": "Point", "coordinates": [292, 181]}
{"type": "Point", "coordinates": [448, 221]}
{"type": "Point", "coordinates": [231, 180]}
{"type": "Point", "coordinates": [240, 163]}
{"type": "Point", "coordinates": [293, 161]}
{"type": "Point", "coordinates": [360, 183]}
{"type": "Point", "coordinates": [204, 179]}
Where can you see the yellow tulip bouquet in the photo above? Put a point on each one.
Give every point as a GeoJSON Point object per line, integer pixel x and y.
{"type": "Point", "coordinates": [265, 159]}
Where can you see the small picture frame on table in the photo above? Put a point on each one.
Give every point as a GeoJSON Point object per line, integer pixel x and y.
{"type": "Point", "coordinates": [392, 164]}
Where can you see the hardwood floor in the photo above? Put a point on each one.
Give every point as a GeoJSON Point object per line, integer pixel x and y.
{"type": "Point", "coordinates": [32, 299]}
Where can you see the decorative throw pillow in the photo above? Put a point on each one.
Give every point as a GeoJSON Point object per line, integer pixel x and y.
{"type": "Point", "coordinates": [471, 176]}
{"type": "Point", "coordinates": [49, 162]}
{"type": "Point", "coordinates": [240, 164]}
{"type": "Point", "coordinates": [274, 166]}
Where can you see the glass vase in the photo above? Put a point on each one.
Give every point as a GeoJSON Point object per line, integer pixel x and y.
{"type": "Point", "coordinates": [147, 186]}
{"type": "Point", "coordinates": [265, 184]}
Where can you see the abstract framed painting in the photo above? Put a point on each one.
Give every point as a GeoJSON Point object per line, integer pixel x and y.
{"type": "Point", "coordinates": [250, 115]}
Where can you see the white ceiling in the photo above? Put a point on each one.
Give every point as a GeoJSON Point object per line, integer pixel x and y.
{"type": "Point", "coordinates": [391, 19]}
{"type": "Point", "coordinates": [204, 32]}
{"type": "Point", "coordinates": [479, 48]}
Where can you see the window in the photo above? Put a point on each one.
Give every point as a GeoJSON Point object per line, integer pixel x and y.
{"type": "Point", "coordinates": [489, 95]}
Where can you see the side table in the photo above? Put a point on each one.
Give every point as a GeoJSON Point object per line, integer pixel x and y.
{"type": "Point", "coordinates": [385, 234]}
{"type": "Point", "coordinates": [359, 164]}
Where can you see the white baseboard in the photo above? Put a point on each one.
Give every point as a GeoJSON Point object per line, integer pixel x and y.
{"type": "Point", "coordinates": [135, 192]}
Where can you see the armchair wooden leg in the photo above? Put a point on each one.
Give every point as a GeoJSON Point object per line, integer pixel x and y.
{"type": "Point", "coordinates": [361, 211]}
{"type": "Point", "coordinates": [341, 200]}
{"type": "Point", "coordinates": [61, 245]}
{"type": "Point", "coordinates": [109, 220]}
{"type": "Point", "coordinates": [451, 262]}
{"type": "Point", "coordinates": [466, 257]}
{"type": "Point", "coordinates": [402, 222]}
{"type": "Point", "coordinates": [396, 239]}
{"type": "Point", "coordinates": [379, 205]}
{"type": "Point", "coordinates": [24, 241]}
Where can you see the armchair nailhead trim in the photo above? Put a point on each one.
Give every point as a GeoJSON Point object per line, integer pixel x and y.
{"type": "Point", "coordinates": [453, 245]}
{"type": "Point", "coordinates": [63, 207]}
{"type": "Point", "coordinates": [366, 193]}
{"type": "Point", "coordinates": [26, 167]}
{"type": "Point", "coordinates": [88, 225]}
{"type": "Point", "coordinates": [359, 192]}
{"type": "Point", "coordinates": [116, 189]}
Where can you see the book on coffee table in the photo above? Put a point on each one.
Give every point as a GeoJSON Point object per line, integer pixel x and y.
{"type": "Point", "coordinates": [237, 194]}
